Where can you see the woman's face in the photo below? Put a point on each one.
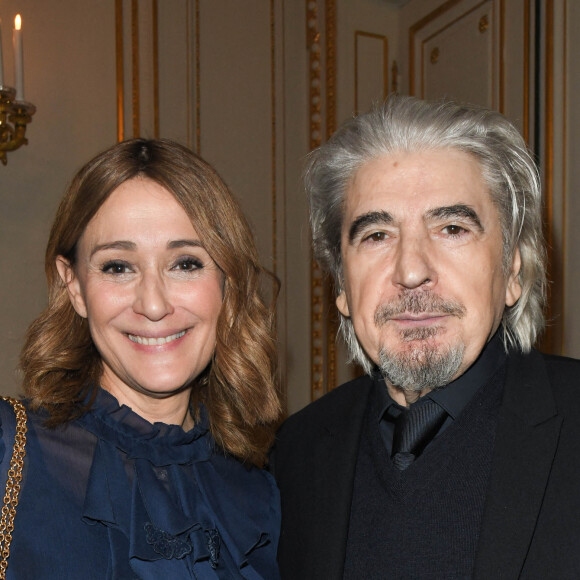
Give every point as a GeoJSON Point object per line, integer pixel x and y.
{"type": "Point", "coordinates": [150, 292]}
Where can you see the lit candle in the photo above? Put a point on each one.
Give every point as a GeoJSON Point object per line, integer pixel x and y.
{"type": "Point", "coordinates": [18, 64]}
{"type": "Point", "coordinates": [1, 63]}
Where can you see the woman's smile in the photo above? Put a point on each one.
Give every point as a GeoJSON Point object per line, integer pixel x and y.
{"type": "Point", "coordinates": [152, 341]}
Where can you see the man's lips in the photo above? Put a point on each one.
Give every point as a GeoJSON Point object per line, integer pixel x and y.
{"type": "Point", "coordinates": [428, 317]}
{"type": "Point", "coordinates": [418, 308]}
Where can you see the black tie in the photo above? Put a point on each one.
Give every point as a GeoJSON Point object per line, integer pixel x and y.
{"type": "Point", "coordinates": [414, 429]}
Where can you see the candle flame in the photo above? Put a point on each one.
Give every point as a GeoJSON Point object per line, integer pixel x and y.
{"type": "Point", "coordinates": [17, 22]}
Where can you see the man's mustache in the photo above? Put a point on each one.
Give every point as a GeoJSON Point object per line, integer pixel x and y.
{"type": "Point", "coordinates": [418, 302]}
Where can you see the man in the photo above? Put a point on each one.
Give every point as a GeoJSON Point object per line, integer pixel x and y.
{"type": "Point", "coordinates": [458, 454]}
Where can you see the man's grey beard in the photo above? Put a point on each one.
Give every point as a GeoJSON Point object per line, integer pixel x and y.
{"type": "Point", "coordinates": [423, 365]}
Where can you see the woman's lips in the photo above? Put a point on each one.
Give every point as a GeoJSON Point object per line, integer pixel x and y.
{"type": "Point", "coordinates": [155, 341]}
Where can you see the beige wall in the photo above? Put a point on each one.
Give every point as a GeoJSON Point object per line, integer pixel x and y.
{"type": "Point", "coordinates": [232, 86]}
{"type": "Point", "coordinates": [235, 84]}
{"type": "Point", "coordinates": [69, 67]}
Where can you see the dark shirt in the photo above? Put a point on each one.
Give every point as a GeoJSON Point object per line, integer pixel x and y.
{"type": "Point", "coordinates": [453, 397]}
{"type": "Point", "coordinates": [111, 496]}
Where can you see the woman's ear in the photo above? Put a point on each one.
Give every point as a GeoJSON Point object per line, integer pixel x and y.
{"type": "Point", "coordinates": [72, 283]}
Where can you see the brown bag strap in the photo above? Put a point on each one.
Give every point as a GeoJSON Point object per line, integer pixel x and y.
{"type": "Point", "coordinates": [12, 484]}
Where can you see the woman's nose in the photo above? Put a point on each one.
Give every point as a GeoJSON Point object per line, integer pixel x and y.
{"type": "Point", "coordinates": [152, 298]}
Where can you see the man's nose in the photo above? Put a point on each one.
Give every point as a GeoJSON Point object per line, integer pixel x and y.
{"type": "Point", "coordinates": [414, 262]}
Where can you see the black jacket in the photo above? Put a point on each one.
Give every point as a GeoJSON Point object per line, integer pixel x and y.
{"type": "Point", "coordinates": [531, 522]}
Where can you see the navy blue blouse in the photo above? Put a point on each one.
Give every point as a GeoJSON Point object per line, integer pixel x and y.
{"type": "Point", "coordinates": [111, 496]}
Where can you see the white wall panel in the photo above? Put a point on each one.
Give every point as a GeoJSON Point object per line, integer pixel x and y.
{"type": "Point", "coordinates": [69, 68]}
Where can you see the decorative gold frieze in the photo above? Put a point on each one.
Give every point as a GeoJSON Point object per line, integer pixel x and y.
{"type": "Point", "coordinates": [322, 99]}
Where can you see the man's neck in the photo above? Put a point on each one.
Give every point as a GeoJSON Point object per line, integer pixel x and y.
{"type": "Point", "coordinates": [403, 397]}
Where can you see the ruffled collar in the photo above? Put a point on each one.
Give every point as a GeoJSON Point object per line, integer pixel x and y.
{"type": "Point", "coordinates": [159, 443]}
{"type": "Point", "coordinates": [166, 495]}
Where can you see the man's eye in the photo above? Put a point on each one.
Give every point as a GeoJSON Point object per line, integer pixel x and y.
{"type": "Point", "coordinates": [454, 230]}
{"type": "Point", "coordinates": [115, 268]}
{"type": "Point", "coordinates": [376, 237]}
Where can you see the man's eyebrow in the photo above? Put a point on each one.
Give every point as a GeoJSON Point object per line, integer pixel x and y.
{"type": "Point", "coordinates": [457, 211]}
{"type": "Point", "coordinates": [368, 219]}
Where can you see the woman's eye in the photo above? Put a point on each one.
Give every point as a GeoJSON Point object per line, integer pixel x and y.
{"type": "Point", "coordinates": [115, 268]}
{"type": "Point", "coordinates": [188, 264]}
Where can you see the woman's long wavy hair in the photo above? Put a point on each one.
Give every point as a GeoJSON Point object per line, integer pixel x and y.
{"type": "Point", "coordinates": [60, 363]}
{"type": "Point", "coordinates": [407, 124]}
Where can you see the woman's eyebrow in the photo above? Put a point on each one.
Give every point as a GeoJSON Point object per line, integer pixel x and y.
{"type": "Point", "coordinates": [184, 244]}
{"type": "Point", "coordinates": [368, 219]}
{"type": "Point", "coordinates": [117, 245]}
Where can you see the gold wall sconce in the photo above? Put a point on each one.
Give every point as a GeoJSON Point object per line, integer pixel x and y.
{"type": "Point", "coordinates": [15, 112]}
{"type": "Point", "coordinates": [14, 116]}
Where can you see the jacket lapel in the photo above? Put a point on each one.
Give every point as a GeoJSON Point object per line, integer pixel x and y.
{"type": "Point", "coordinates": [525, 445]}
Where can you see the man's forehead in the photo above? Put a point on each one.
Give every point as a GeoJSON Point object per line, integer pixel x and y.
{"type": "Point", "coordinates": [421, 181]}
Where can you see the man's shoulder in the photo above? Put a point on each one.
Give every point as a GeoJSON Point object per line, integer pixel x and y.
{"type": "Point", "coordinates": [562, 370]}
{"type": "Point", "coordinates": [560, 375]}
{"type": "Point", "coordinates": [561, 363]}
{"type": "Point", "coordinates": [564, 373]}
{"type": "Point", "coordinates": [333, 406]}
{"type": "Point", "coordinates": [326, 431]}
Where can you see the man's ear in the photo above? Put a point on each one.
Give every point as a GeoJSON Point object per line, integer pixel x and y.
{"type": "Point", "coordinates": [513, 289]}
{"type": "Point", "coordinates": [342, 303]}
{"type": "Point", "coordinates": [73, 287]}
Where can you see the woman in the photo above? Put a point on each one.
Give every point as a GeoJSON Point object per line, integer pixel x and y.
{"type": "Point", "coordinates": [150, 382]}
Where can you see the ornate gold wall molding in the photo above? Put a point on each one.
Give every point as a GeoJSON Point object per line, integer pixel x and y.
{"type": "Point", "coordinates": [501, 103]}
{"type": "Point", "coordinates": [555, 166]}
{"type": "Point", "coordinates": [197, 79]}
{"type": "Point", "coordinates": [119, 70]}
{"type": "Point", "coordinates": [136, 77]}
{"type": "Point", "coordinates": [128, 14]}
{"type": "Point", "coordinates": [564, 252]}
{"type": "Point", "coordinates": [323, 322]}
{"type": "Point", "coordinates": [527, 37]}
{"type": "Point", "coordinates": [548, 340]}
{"type": "Point", "coordinates": [155, 35]}
{"type": "Point", "coordinates": [315, 139]}
{"type": "Point", "coordinates": [273, 135]}
{"type": "Point", "coordinates": [332, 320]}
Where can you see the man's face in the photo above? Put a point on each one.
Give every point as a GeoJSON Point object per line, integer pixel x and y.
{"type": "Point", "coordinates": [422, 262]}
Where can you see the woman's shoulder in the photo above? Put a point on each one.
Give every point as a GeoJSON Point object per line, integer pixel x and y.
{"type": "Point", "coordinates": [12, 416]}
{"type": "Point", "coordinates": [11, 408]}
